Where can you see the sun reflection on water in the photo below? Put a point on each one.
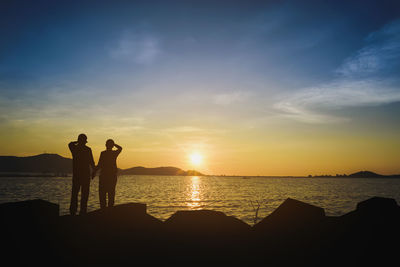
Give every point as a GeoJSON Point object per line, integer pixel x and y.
{"type": "Point", "coordinates": [194, 193]}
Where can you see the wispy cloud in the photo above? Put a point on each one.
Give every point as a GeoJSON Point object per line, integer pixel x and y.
{"type": "Point", "coordinates": [313, 105]}
{"type": "Point", "coordinates": [367, 78]}
{"type": "Point", "coordinates": [136, 47]}
{"type": "Point", "coordinates": [380, 54]}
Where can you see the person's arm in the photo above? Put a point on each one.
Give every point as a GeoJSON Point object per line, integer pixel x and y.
{"type": "Point", "coordinates": [94, 169]}
{"type": "Point", "coordinates": [99, 165]}
{"type": "Point", "coordinates": [119, 149]}
{"type": "Point", "coordinates": [72, 146]}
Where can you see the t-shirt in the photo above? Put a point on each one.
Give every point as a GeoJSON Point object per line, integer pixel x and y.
{"type": "Point", "coordinates": [82, 160]}
{"type": "Point", "coordinates": [108, 162]}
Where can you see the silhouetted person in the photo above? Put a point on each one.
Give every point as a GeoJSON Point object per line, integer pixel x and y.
{"type": "Point", "coordinates": [108, 173]}
{"type": "Point", "coordinates": [83, 164]}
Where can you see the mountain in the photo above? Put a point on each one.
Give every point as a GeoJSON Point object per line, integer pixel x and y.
{"type": "Point", "coordinates": [365, 174]}
{"type": "Point", "coordinates": [43, 163]}
{"type": "Point", "coordinates": [369, 174]}
{"type": "Point", "coordinates": [158, 171]}
{"type": "Point", "coordinates": [56, 164]}
{"type": "Point", "coordinates": [360, 174]}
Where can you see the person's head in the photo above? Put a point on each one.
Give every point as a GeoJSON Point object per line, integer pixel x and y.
{"type": "Point", "coordinates": [109, 144]}
{"type": "Point", "coordinates": [82, 139]}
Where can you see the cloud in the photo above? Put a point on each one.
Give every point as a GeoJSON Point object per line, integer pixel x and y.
{"type": "Point", "coordinates": [135, 47]}
{"type": "Point", "coordinates": [367, 78]}
{"type": "Point", "coordinates": [381, 53]}
{"type": "Point", "coordinates": [313, 105]}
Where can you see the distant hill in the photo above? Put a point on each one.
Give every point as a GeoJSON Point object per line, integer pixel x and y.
{"type": "Point", "coordinates": [56, 164]}
{"type": "Point", "coordinates": [43, 163]}
{"type": "Point", "coordinates": [158, 171]}
{"type": "Point", "coordinates": [369, 174]}
{"type": "Point", "coordinates": [365, 174]}
{"type": "Point", "coordinates": [360, 174]}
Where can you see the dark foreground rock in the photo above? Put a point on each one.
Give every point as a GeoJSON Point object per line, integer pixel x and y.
{"type": "Point", "coordinates": [205, 223]}
{"type": "Point", "coordinates": [290, 217]}
{"type": "Point", "coordinates": [112, 236]}
{"type": "Point", "coordinates": [295, 234]}
{"type": "Point", "coordinates": [37, 210]}
{"type": "Point", "coordinates": [27, 228]}
{"type": "Point", "coordinates": [208, 233]}
{"type": "Point", "coordinates": [369, 233]}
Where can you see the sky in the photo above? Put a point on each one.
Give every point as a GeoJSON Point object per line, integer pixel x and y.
{"type": "Point", "coordinates": [253, 87]}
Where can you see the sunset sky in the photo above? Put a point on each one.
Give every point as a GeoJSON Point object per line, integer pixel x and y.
{"type": "Point", "coordinates": [252, 87]}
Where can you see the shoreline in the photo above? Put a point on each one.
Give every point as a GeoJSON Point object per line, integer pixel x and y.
{"type": "Point", "coordinates": [50, 175]}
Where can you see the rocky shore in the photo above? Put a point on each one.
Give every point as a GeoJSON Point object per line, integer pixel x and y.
{"type": "Point", "coordinates": [295, 234]}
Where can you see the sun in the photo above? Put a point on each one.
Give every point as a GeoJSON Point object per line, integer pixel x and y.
{"type": "Point", "coordinates": [196, 159]}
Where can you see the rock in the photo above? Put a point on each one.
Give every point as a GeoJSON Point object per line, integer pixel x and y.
{"type": "Point", "coordinates": [207, 236]}
{"type": "Point", "coordinates": [376, 211]}
{"type": "Point", "coordinates": [111, 235]}
{"type": "Point", "coordinates": [378, 205]}
{"type": "Point", "coordinates": [124, 210]}
{"type": "Point", "coordinates": [128, 219]}
{"type": "Point", "coordinates": [370, 231]}
{"type": "Point", "coordinates": [205, 223]}
{"type": "Point", "coordinates": [29, 212]}
{"type": "Point", "coordinates": [27, 231]}
{"type": "Point", "coordinates": [290, 216]}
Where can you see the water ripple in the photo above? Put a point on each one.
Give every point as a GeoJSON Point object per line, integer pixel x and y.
{"type": "Point", "coordinates": [164, 195]}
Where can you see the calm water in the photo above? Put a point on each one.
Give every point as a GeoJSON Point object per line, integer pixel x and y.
{"type": "Point", "coordinates": [165, 195]}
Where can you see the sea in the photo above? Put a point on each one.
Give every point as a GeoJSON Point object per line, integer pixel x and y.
{"type": "Point", "coordinates": [247, 198]}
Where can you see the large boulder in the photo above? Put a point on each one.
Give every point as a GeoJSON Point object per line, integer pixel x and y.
{"type": "Point", "coordinates": [123, 213]}
{"type": "Point", "coordinates": [288, 236]}
{"type": "Point", "coordinates": [376, 211]}
{"type": "Point", "coordinates": [27, 229]}
{"type": "Point", "coordinates": [369, 232]}
{"type": "Point", "coordinates": [124, 219]}
{"type": "Point", "coordinates": [378, 206]}
{"type": "Point", "coordinates": [205, 223]}
{"type": "Point", "coordinates": [130, 218]}
{"type": "Point", "coordinates": [291, 216]}
{"type": "Point", "coordinates": [207, 236]}
{"type": "Point", "coordinates": [115, 235]}
{"type": "Point", "coordinates": [29, 212]}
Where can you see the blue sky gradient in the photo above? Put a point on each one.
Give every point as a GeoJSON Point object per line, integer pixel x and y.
{"type": "Point", "coordinates": [195, 72]}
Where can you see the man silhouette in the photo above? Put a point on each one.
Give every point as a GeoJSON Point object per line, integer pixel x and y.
{"type": "Point", "coordinates": [108, 174]}
{"type": "Point", "coordinates": [83, 164]}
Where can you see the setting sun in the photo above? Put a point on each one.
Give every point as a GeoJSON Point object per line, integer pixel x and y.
{"type": "Point", "coordinates": [195, 159]}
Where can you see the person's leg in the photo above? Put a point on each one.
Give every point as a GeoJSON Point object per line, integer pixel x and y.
{"type": "Point", "coordinates": [102, 193]}
{"type": "Point", "coordinates": [74, 196]}
{"type": "Point", "coordinates": [111, 193]}
{"type": "Point", "coordinates": [85, 186]}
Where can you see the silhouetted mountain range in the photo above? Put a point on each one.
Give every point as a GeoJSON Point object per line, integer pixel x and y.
{"type": "Point", "coordinates": [56, 164]}
{"type": "Point", "coordinates": [43, 163]}
{"type": "Point", "coordinates": [365, 174]}
{"type": "Point", "coordinates": [158, 171]}
{"type": "Point", "coordinates": [361, 174]}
